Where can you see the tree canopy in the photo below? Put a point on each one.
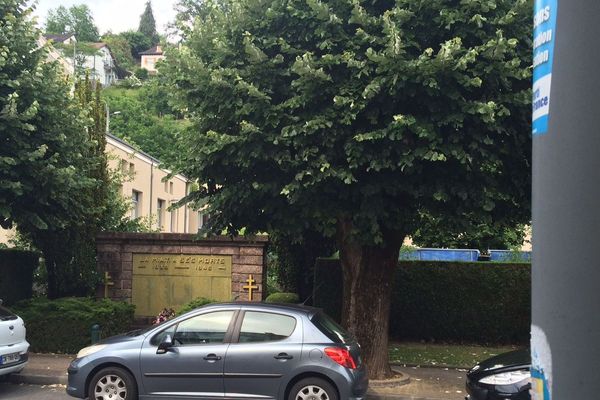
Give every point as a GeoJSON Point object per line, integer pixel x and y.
{"type": "Point", "coordinates": [77, 19]}
{"type": "Point", "coordinates": [148, 24]}
{"type": "Point", "coordinates": [356, 118]}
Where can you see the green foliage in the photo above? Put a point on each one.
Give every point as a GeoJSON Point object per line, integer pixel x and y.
{"type": "Point", "coordinates": [447, 301]}
{"type": "Point", "coordinates": [16, 274]}
{"type": "Point", "coordinates": [63, 325]}
{"type": "Point", "coordinates": [138, 42]}
{"type": "Point", "coordinates": [148, 24]}
{"type": "Point", "coordinates": [141, 73]}
{"type": "Point", "coordinates": [317, 111]}
{"type": "Point", "coordinates": [145, 120]}
{"type": "Point", "coordinates": [49, 160]}
{"type": "Point", "coordinates": [77, 19]}
{"type": "Point", "coordinates": [121, 51]}
{"type": "Point", "coordinates": [283, 298]}
{"type": "Point", "coordinates": [192, 305]}
{"type": "Point", "coordinates": [292, 261]}
{"type": "Point", "coordinates": [470, 232]}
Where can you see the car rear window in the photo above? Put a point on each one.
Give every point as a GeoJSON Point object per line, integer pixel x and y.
{"type": "Point", "coordinates": [331, 329]}
{"type": "Point", "coordinates": [6, 315]}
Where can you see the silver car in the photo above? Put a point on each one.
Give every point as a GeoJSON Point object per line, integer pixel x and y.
{"type": "Point", "coordinates": [226, 351]}
{"type": "Point", "coordinates": [13, 345]}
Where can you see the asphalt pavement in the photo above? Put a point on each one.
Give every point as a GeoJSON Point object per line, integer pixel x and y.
{"type": "Point", "coordinates": [11, 391]}
{"type": "Point", "coordinates": [45, 377]}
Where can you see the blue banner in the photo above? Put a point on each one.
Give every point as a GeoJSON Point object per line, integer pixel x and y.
{"type": "Point", "coordinates": [544, 33]}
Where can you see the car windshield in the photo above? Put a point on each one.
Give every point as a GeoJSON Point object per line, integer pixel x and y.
{"type": "Point", "coordinates": [6, 315]}
{"type": "Point", "coordinates": [331, 329]}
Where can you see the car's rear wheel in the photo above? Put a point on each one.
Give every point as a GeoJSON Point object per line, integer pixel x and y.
{"type": "Point", "coordinates": [112, 383]}
{"type": "Point", "coordinates": [313, 389]}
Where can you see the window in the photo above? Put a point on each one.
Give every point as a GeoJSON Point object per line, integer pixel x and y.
{"type": "Point", "coordinates": [202, 220]}
{"type": "Point", "coordinates": [155, 341]}
{"type": "Point", "coordinates": [174, 218]}
{"type": "Point", "coordinates": [166, 186]}
{"type": "Point", "coordinates": [136, 200]}
{"type": "Point", "coordinates": [203, 329]}
{"type": "Point", "coordinates": [171, 187]}
{"type": "Point", "coordinates": [331, 329]}
{"type": "Point", "coordinates": [131, 169]}
{"type": "Point", "coordinates": [160, 213]}
{"type": "Point", "coordinates": [265, 327]}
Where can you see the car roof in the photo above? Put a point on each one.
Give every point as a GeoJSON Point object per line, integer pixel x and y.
{"type": "Point", "coordinates": [299, 308]}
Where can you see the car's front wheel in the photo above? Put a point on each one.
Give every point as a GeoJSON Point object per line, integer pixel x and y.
{"type": "Point", "coordinates": [313, 389]}
{"type": "Point", "coordinates": [112, 383]}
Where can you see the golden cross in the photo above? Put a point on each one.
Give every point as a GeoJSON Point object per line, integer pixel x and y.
{"type": "Point", "coordinates": [250, 286]}
{"type": "Point", "coordinates": [107, 283]}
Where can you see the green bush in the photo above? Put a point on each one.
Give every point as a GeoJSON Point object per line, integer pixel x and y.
{"type": "Point", "coordinates": [283, 298]}
{"type": "Point", "coordinates": [63, 325]}
{"type": "Point", "coordinates": [446, 301]}
{"type": "Point", "coordinates": [192, 305]}
{"type": "Point", "coordinates": [141, 73]}
{"type": "Point", "coordinates": [16, 274]}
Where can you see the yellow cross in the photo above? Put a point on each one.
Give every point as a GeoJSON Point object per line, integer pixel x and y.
{"type": "Point", "coordinates": [107, 283]}
{"type": "Point", "coordinates": [250, 286]}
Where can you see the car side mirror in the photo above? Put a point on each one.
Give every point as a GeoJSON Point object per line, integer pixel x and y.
{"type": "Point", "coordinates": [165, 345]}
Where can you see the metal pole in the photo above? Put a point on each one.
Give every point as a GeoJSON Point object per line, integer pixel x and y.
{"type": "Point", "coordinates": [566, 201]}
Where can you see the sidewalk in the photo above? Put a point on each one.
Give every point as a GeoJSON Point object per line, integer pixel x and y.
{"type": "Point", "coordinates": [425, 383]}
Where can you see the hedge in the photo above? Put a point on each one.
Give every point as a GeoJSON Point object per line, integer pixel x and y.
{"type": "Point", "coordinates": [446, 301]}
{"type": "Point", "coordinates": [16, 274]}
{"type": "Point", "coordinates": [283, 297]}
{"type": "Point", "coordinates": [63, 325]}
{"type": "Point", "coordinates": [192, 305]}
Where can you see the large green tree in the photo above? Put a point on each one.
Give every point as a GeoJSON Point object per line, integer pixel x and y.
{"type": "Point", "coordinates": [77, 19]}
{"type": "Point", "coordinates": [354, 118]}
{"type": "Point", "coordinates": [148, 24]}
{"type": "Point", "coordinates": [137, 41]}
{"type": "Point", "coordinates": [48, 164]}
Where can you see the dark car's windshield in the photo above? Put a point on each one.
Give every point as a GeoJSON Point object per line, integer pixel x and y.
{"type": "Point", "coordinates": [6, 315]}
{"type": "Point", "coordinates": [331, 329]}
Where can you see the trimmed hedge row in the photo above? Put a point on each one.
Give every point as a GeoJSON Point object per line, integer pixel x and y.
{"type": "Point", "coordinates": [283, 297]}
{"type": "Point", "coordinates": [446, 301]}
{"type": "Point", "coordinates": [64, 325]}
{"type": "Point", "coordinates": [16, 274]}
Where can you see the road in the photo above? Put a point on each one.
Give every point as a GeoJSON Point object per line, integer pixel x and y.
{"type": "Point", "coordinates": [9, 391]}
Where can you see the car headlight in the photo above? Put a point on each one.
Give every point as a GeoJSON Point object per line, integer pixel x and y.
{"type": "Point", "coordinates": [506, 378]}
{"type": "Point", "coordinates": [86, 351]}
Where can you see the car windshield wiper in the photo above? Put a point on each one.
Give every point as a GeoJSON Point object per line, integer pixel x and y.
{"type": "Point", "coordinates": [8, 318]}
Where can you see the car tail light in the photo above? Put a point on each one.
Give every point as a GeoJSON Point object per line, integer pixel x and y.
{"type": "Point", "coordinates": [341, 356]}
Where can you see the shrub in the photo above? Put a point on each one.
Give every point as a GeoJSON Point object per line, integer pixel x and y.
{"type": "Point", "coordinates": [283, 298]}
{"type": "Point", "coordinates": [447, 301]}
{"type": "Point", "coordinates": [141, 73]}
{"type": "Point", "coordinates": [192, 305]}
{"type": "Point", "coordinates": [16, 274]}
{"type": "Point", "coordinates": [63, 325]}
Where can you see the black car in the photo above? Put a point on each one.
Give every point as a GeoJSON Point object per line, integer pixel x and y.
{"type": "Point", "coordinates": [503, 377]}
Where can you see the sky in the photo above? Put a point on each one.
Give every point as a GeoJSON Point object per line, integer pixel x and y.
{"type": "Point", "coordinates": [115, 15]}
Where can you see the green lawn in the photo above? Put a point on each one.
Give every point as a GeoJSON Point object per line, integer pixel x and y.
{"type": "Point", "coordinates": [442, 355]}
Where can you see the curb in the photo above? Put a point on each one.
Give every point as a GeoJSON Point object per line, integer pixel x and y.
{"type": "Point", "coordinates": [375, 396]}
{"type": "Point", "coordinates": [32, 379]}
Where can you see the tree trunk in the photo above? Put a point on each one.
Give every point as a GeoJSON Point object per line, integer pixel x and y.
{"type": "Point", "coordinates": [368, 273]}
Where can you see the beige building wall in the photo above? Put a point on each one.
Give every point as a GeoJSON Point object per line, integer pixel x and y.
{"type": "Point", "coordinates": [150, 193]}
{"type": "Point", "coordinates": [149, 62]}
{"type": "Point", "coordinates": [5, 235]}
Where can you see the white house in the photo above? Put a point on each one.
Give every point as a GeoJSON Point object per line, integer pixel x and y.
{"type": "Point", "coordinates": [101, 65]}
{"type": "Point", "coordinates": [97, 60]}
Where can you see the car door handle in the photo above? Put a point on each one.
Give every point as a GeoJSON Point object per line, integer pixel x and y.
{"type": "Point", "coordinates": [212, 357]}
{"type": "Point", "coordinates": [283, 356]}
